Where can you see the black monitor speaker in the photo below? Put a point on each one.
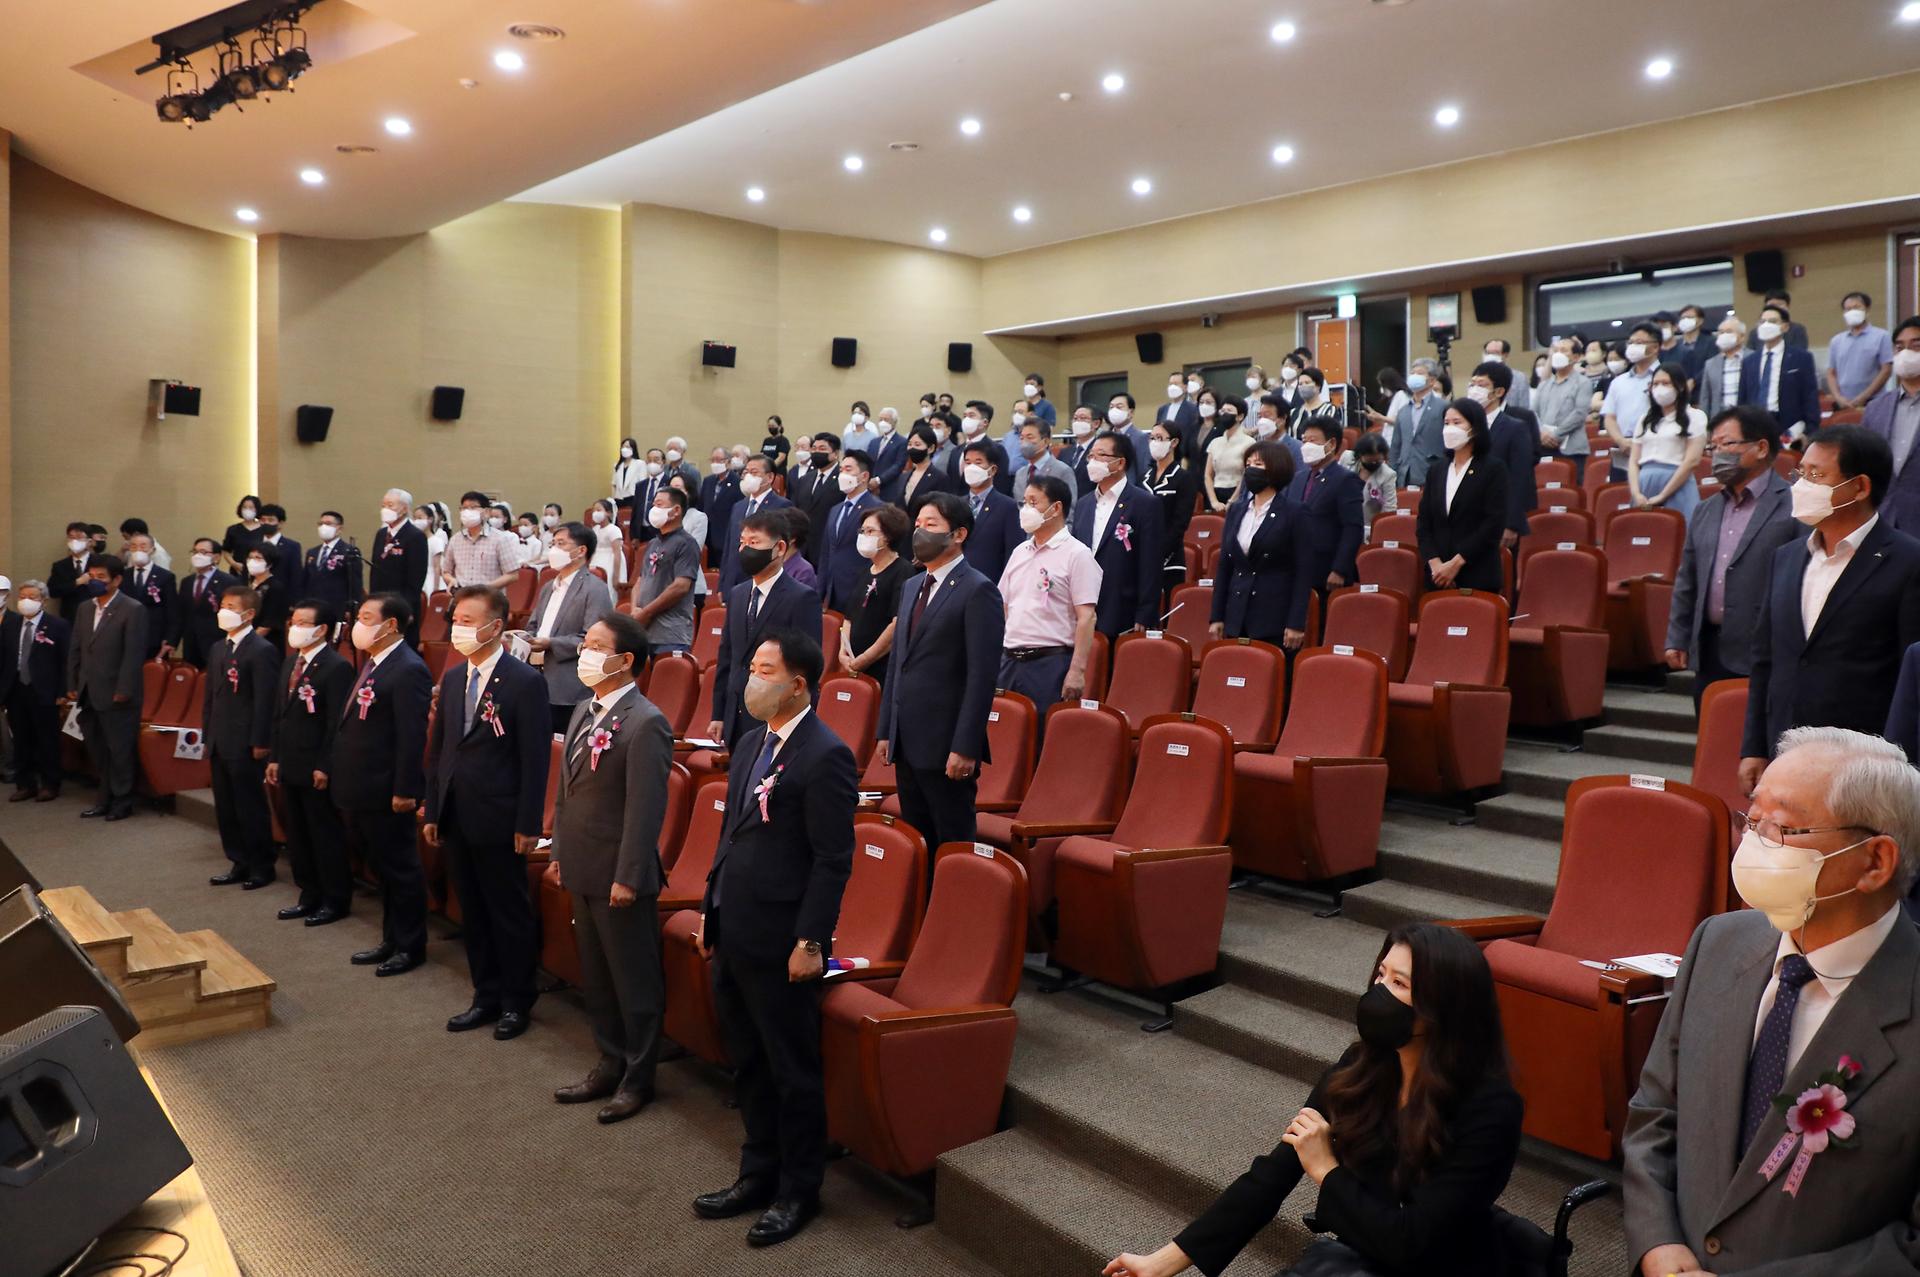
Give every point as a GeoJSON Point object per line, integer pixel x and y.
{"type": "Point", "coordinates": [1766, 270]}
{"type": "Point", "coordinates": [182, 400]}
{"type": "Point", "coordinates": [41, 967]}
{"type": "Point", "coordinates": [448, 401]}
{"type": "Point", "coordinates": [1149, 347]}
{"type": "Point", "coordinates": [959, 356]}
{"type": "Point", "coordinates": [715, 355]}
{"type": "Point", "coordinates": [1490, 304]}
{"type": "Point", "coordinates": [311, 422]}
{"type": "Point", "coordinates": [12, 872]}
{"type": "Point", "coordinates": [844, 350]}
{"type": "Point", "coordinates": [83, 1142]}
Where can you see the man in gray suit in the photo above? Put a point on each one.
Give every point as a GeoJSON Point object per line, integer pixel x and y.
{"type": "Point", "coordinates": [1718, 385]}
{"type": "Point", "coordinates": [1814, 986]}
{"type": "Point", "coordinates": [607, 813]}
{"type": "Point", "coordinates": [567, 607]}
{"type": "Point", "coordinates": [103, 675]}
{"type": "Point", "coordinates": [1721, 588]}
{"type": "Point", "coordinates": [1416, 435]}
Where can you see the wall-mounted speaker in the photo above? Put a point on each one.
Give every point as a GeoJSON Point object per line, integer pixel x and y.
{"type": "Point", "coordinates": [448, 401]}
{"type": "Point", "coordinates": [184, 400]}
{"type": "Point", "coordinates": [42, 968]}
{"type": "Point", "coordinates": [1490, 304]}
{"type": "Point", "coordinates": [844, 350]}
{"type": "Point", "coordinates": [311, 422]}
{"type": "Point", "coordinates": [715, 355]}
{"type": "Point", "coordinates": [959, 356]}
{"type": "Point", "coordinates": [1149, 347]}
{"type": "Point", "coordinates": [1766, 270]}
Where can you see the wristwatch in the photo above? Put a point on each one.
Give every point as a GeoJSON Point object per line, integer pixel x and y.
{"type": "Point", "coordinates": [811, 946]}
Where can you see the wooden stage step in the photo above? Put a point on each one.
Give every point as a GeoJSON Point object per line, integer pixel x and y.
{"type": "Point", "coordinates": [94, 929]}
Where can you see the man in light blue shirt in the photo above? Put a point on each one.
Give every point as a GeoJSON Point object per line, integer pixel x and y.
{"type": "Point", "coordinates": [859, 433]}
{"type": "Point", "coordinates": [1625, 406]}
{"type": "Point", "coordinates": [1860, 358]}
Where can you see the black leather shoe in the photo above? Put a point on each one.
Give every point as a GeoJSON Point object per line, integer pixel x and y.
{"type": "Point", "coordinates": [743, 1196]}
{"type": "Point", "coordinates": [369, 957]}
{"type": "Point", "coordinates": [291, 912]}
{"type": "Point", "coordinates": [257, 881]}
{"type": "Point", "coordinates": [21, 795]}
{"type": "Point", "coordinates": [782, 1220]}
{"type": "Point", "coordinates": [98, 809]}
{"type": "Point", "coordinates": [120, 813]}
{"type": "Point", "coordinates": [401, 963]}
{"type": "Point", "coordinates": [512, 1025]}
{"type": "Point", "coordinates": [473, 1017]}
{"type": "Point", "coordinates": [320, 917]}
{"type": "Point", "coordinates": [597, 1085]}
{"type": "Point", "coordinates": [227, 879]}
{"type": "Point", "coordinates": [46, 795]}
{"type": "Point", "coordinates": [624, 1104]}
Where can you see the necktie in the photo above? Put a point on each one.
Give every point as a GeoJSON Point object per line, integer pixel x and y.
{"type": "Point", "coordinates": [753, 608]}
{"type": "Point", "coordinates": [976, 501]}
{"type": "Point", "coordinates": [1766, 379]}
{"type": "Point", "coordinates": [586, 732]}
{"type": "Point", "coordinates": [26, 650]}
{"type": "Point", "coordinates": [920, 606]}
{"type": "Point", "coordinates": [1767, 1067]}
{"type": "Point", "coordinates": [299, 667]}
{"type": "Point", "coordinates": [762, 765]}
{"type": "Point", "coordinates": [199, 587]}
{"type": "Point", "coordinates": [474, 683]}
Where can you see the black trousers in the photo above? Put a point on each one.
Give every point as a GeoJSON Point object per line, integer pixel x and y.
{"type": "Point", "coordinates": [110, 734]}
{"type": "Point", "coordinates": [385, 840]}
{"type": "Point", "coordinates": [316, 847]}
{"type": "Point", "coordinates": [941, 809]}
{"type": "Point", "coordinates": [625, 990]}
{"type": "Point", "coordinates": [240, 806]}
{"type": "Point", "coordinates": [36, 741]}
{"type": "Point", "coordinates": [772, 1031]}
{"type": "Point", "coordinates": [1038, 680]}
{"type": "Point", "coordinates": [496, 916]}
{"type": "Point", "coordinates": [562, 717]}
{"type": "Point", "coordinates": [1707, 665]}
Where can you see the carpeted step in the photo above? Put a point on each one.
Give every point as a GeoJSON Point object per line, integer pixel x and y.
{"type": "Point", "coordinates": [1648, 744]}
{"type": "Point", "coordinates": [196, 805]}
{"type": "Point", "coordinates": [1680, 683]}
{"type": "Point", "coordinates": [1526, 815]}
{"type": "Point", "coordinates": [1635, 707]}
{"type": "Point", "coordinates": [1513, 871]}
{"type": "Point", "coordinates": [1388, 903]}
{"type": "Point", "coordinates": [1279, 949]}
{"type": "Point", "coordinates": [1546, 773]}
{"type": "Point", "coordinates": [1267, 1032]}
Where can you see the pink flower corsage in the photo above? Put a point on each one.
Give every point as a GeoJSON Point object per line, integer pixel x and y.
{"type": "Point", "coordinates": [41, 636]}
{"type": "Point", "coordinates": [391, 547]}
{"type": "Point", "coordinates": [490, 715]}
{"type": "Point", "coordinates": [233, 677]}
{"type": "Point", "coordinates": [1124, 531]}
{"type": "Point", "coordinates": [1816, 1119]}
{"type": "Point", "coordinates": [364, 699]}
{"type": "Point", "coordinates": [306, 696]}
{"type": "Point", "coordinates": [599, 743]}
{"type": "Point", "coordinates": [873, 583]}
{"type": "Point", "coordinates": [153, 591]}
{"type": "Point", "coordinates": [763, 792]}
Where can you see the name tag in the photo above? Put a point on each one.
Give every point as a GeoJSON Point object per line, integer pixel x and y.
{"type": "Point", "coordinates": [1555, 484]}
{"type": "Point", "coordinates": [993, 716]}
{"type": "Point", "coordinates": [1390, 545]}
{"type": "Point", "coordinates": [1154, 634]}
{"type": "Point", "coordinates": [983, 849]}
{"type": "Point", "coordinates": [1369, 589]}
{"type": "Point", "coordinates": [1565, 545]}
{"type": "Point", "coordinates": [1202, 534]}
{"type": "Point", "coordinates": [1343, 649]}
{"type": "Point", "coordinates": [1456, 631]}
{"type": "Point", "coordinates": [715, 630]}
{"type": "Point", "coordinates": [1643, 540]}
{"type": "Point", "coordinates": [1557, 509]}
{"type": "Point", "coordinates": [876, 852]}
{"type": "Point", "coordinates": [719, 804]}
{"type": "Point", "coordinates": [1206, 581]}
{"type": "Point", "coordinates": [1647, 782]}
{"type": "Point", "coordinates": [843, 696]}
{"type": "Point", "coordinates": [1178, 751]}
{"type": "Point", "coordinates": [1236, 681]}
{"type": "Point", "coordinates": [1088, 703]}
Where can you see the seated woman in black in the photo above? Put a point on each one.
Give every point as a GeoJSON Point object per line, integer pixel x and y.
{"type": "Point", "coordinates": [1409, 1139]}
{"type": "Point", "coordinates": [1263, 578]}
{"type": "Point", "coordinates": [1463, 508]}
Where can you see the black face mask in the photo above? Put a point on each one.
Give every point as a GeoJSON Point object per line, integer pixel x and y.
{"type": "Point", "coordinates": [754, 559]}
{"type": "Point", "coordinates": [821, 460]}
{"type": "Point", "coordinates": [928, 546]}
{"type": "Point", "coordinates": [1384, 1021]}
{"type": "Point", "coordinates": [1370, 466]}
{"type": "Point", "coordinates": [1256, 478]}
{"type": "Point", "coordinates": [916, 455]}
{"type": "Point", "coordinates": [93, 588]}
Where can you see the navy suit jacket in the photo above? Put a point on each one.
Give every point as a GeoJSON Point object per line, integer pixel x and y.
{"type": "Point", "coordinates": [380, 754]}
{"type": "Point", "coordinates": [237, 710]}
{"type": "Point", "coordinates": [397, 564]}
{"type": "Point", "coordinates": [996, 531]}
{"type": "Point", "coordinates": [289, 570]}
{"type": "Point", "coordinates": [941, 674]}
{"type": "Point", "coordinates": [1515, 444]}
{"type": "Point", "coordinates": [332, 577]}
{"type": "Point", "coordinates": [718, 495]}
{"type": "Point", "coordinates": [1842, 674]}
{"type": "Point", "coordinates": [789, 606]}
{"type": "Point", "coordinates": [498, 765]}
{"type": "Point", "coordinates": [1331, 522]}
{"type": "Point", "coordinates": [1799, 387]}
{"type": "Point", "coordinates": [46, 664]}
{"type": "Point", "coordinates": [936, 479]}
{"type": "Point", "coordinates": [196, 626]}
{"type": "Point", "coordinates": [1902, 506]}
{"type": "Point", "coordinates": [889, 455]}
{"type": "Point", "coordinates": [1130, 586]}
{"type": "Point", "coordinates": [307, 717]}
{"type": "Point", "coordinates": [730, 573]}
{"type": "Point", "coordinates": [1903, 717]}
{"type": "Point", "coordinates": [840, 556]}
{"type": "Point", "coordinates": [159, 593]}
{"type": "Point", "coordinates": [1262, 592]}
{"type": "Point", "coordinates": [956, 465]}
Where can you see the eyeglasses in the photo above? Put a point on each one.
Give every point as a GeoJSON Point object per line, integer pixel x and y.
{"type": "Point", "coordinates": [1773, 834]}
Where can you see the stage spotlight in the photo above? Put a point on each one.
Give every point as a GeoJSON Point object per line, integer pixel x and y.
{"type": "Point", "coordinates": [183, 87]}
{"type": "Point", "coordinates": [241, 80]}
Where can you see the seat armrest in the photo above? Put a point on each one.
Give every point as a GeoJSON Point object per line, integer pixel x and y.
{"type": "Point", "coordinates": [1472, 688]}
{"type": "Point", "coordinates": [887, 970]}
{"type": "Point", "coordinates": [909, 1018]}
{"type": "Point", "coordinates": [1574, 629]}
{"type": "Point", "coordinates": [1030, 830]}
{"type": "Point", "coordinates": [1154, 855]}
{"type": "Point", "coordinates": [1506, 927]}
{"type": "Point", "coordinates": [673, 904]}
{"type": "Point", "coordinates": [1254, 746]}
{"type": "Point", "coordinates": [999, 806]}
{"type": "Point", "coordinates": [1620, 985]}
{"type": "Point", "coordinates": [1317, 761]}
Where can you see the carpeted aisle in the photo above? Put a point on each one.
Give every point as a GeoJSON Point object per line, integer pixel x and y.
{"type": "Point", "coordinates": [356, 1137]}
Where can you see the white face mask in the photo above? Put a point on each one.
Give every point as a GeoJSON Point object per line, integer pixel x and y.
{"type": "Point", "coordinates": [750, 483]}
{"type": "Point", "coordinates": [527, 532]}
{"type": "Point", "coordinates": [736, 463]}
{"type": "Point", "coordinates": [859, 419]}
{"type": "Point", "coordinates": [1727, 341]}
{"type": "Point", "coordinates": [466, 638]}
{"type": "Point", "coordinates": [327, 532]}
{"type": "Point", "coordinates": [926, 410]}
{"type": "Point", "coordinates": [1118, 416]}
{"type": "Point", "coordinates": [549, 521]}
{"type": "Point", "coordinates": [717, 468]}
{"type": "Point", "coordinates": [1032, 391]}
{"type": "Point", "coordinates": [77, 546]}
{"type": "Point", "coordinates": [1768, 331]}
{"type": "Point", "coordinates": [1616, 366]}
{"type": "Point", "coordinates": [659, 515]}
{"type": "Point", "coordinates": [884, 425]}
{"type": "Point", "coordinates": [1019, 420]}
{"type": "Point", "coordinates": [599, 516]}
{"type": "Point", "coordinates": [1031, 520]}
{"type": "Point", "coordinates": [868, 544]}
{"type": "Point", "coordinates": [201, 562]}
{"type": "Point", "coordinates": [849, 483]}
{"type": "Point", "coordinates": [421, 524]}
{"type": "Point", "coordinates": [559, 558]}
{"type": "Point", "coordinates": [1098, 470]}
{"type": "Point", "coordinates": [471, 518]}
{"type": "Point", "coordinates": [1559, 359]}
{"type": "Point", "coordinates": [1636, 351]}
{"type": "Point", "coordinates": [229, 620]}
{"type": "Point", "coordinates": [1688, 323]}
{"type": "Point", "coordinates": [1666, 332]}
{"type": "Point", "coordinates": [1813, 503]}
{"type": "Point", "coordinates": [1664, 396]}
{"type": "Point", "coordinates": [389, 515]}
{"type": "Point", "coordinates": [653, 469]}
{"type": "Point", "coordinates": [1417, 382]}
{"type": "Point", "coordinates": [1289, 373]}
{"type": "Point", "coordinates": [1906, 364]}
{"type": "Point", "coordinates": [972, 425]}
{"type": "Point", "coordinates": [1854, 317]}
{"type": "Point", "coordinates": [1782, 882]}
{"type": "Point", "coordinates": [592, 668]}
{"type": "Point", "coordinates": [1264, 428]}
{"type": "Point", "coordinates": [1159, 449]}
{"type": "Point", "coordinates": [302, 636]}
{"type": "Point", "coordinates": [256, 567]}
{"type": "Point", "coordinates": [626, 454]}
{"type": "Point", "coordinates": [249, 514]}
{"type": "Point", "coordinates": [497, 521]}
{"type": "Point", "coordinates": [1082, 428]}
{"type": "Point", "coordinates": [365, 636]}
{"type": "Point", "coordinates": [1253, 383]}
{"type": "Point", "coordinates": [29, 607]}
{"type": "Point", "coordinates": [975, 475]}
{"type": "Point", "coordinates": [1479, 394]}
{"type": "Point", "coordinates": [1454, 437]}
{"type": "Point", "coordinates": [139, 558]}
{"type": "Point", "coordinates": [1313, 453]}
{"type": "Point", "coordinates": [1207, 410]}
{"type": "Point", "coordinates": [673, 456]}
{"type": "Point", "coordinates": [1193, 385]}
{"type": "Point", "coordinates": [1175, 390]}
{"type": "Point", "coordinates": [1493, 357]}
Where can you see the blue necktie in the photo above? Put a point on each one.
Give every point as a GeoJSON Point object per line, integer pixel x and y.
{"type": "Point", "coordinates": [1766, 380]}
{"type": "Point", "coordinates": [1767, 1067]}
{"type": "Point", "coordinates": [474, 684]}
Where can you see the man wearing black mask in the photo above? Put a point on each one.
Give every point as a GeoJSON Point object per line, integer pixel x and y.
{"type": "Point", "coordinates": [768, 599]}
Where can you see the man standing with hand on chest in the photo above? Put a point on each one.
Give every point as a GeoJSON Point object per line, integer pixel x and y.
{"type": "Point", "coordinates": [239, 732]}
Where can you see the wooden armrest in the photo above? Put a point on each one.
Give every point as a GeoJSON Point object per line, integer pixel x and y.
{"type": "Point", "coordinates": [1152, 855]}
{"type": "Point", "coordinates": [1622, 985]}
{"type": "Point", "coordinates": [1573, 629]}
{"type": "Point", "coordinates": [872, 971]}
{"type": "Point", "coordinates": [1002, 805]}
{"type": "Point", "coordinates": [1253, 746]}
{"type": "Point", "coordinates": [1317, 761]}
{"type": "Point", "coordinates": [1471, 687]}
{"type": "Point", "coordinates": [1505, 927]}
{"type": "Point", "coordinates": [674, 904]}
{"type": "Point", "coordinates": [908, 1018]}
{"type": "Point", "coordinates": [1032, 829]}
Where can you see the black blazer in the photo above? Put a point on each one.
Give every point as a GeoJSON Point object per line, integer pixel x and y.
{"type": "Point", "coordinates": [155, 590]}
{"type": "Point", "coordinates": [46, 664]}
{"type": "Point", "coordinates": [1262, 593]}
{"type": "Point", "coordinates": [789, 605]}
{"type": "Point", "coordinates": [307, 717]}
{"type": "Point", "coordinates": [1333, 523]}
{"type": "Point", "coordinates": [889, 455]}
{"type": "Point", "coordinates": [239, 697]}
{"type": "Point", "coordinates": [397, 564]}
{"type": "Point", "coordinates": [718, 492]}
{"type": "Point", "coordinates": [288, 571]}
{"type": "Point", "coordinates": [332, 577]}
{"type": "Point", "coordinates": [63, 585]}
{"type": "Point", "coordinates": [1844, 673]}
{"type": "Point", "coordinates": [894, 492]}
{"type": "Point", "coordinates": [816, 492]}
{"type": "Point", "coordinates": [780, 878]}
{"type": "Point", "coordinates": [1516, 445]}
{"type": "Point", "coordinates": [1176, 490]}
{"type": "Point", "coordinates": [1472, 527]}
{"type": "Point", "coordinates": [730, 573]}
{"type": "Point", "coordinates": [841, 567]}
{"type": "Point", "coordinates": [1130, 586]}
{"type": "Point", "coordinates": [499, 763]}
{"type": "Point", "coordinates": [941, 676]}
{"type": "Point", "coordinates": [381, 743]}
{"type": "Point", "coordinates": [1444, 1227]}
{"type": "Point", "coordinates": [996, 531]}
{"type": "Point", "coordinates": [275, 606]}
{"type": "Point", "coordinates": [957, 464]}
{"type": "Point", "coordinates": [196, 621]}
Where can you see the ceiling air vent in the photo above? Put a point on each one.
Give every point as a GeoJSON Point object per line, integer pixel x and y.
{"type": "Point", "coordinates": [537, 32]}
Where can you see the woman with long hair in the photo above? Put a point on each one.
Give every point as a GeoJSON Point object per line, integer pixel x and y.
{"type": "Point", "coordinates": [1662, 456]}
{"type": "Point", "coordinates": [628, 472]}
{"type": "Point", "coordinates": [1408, 1140]}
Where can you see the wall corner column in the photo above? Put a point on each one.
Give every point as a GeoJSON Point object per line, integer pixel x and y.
{"type": "Point", "coordinates": [268, 436]}
{"type": "Point", "coordinates": [12, 478]}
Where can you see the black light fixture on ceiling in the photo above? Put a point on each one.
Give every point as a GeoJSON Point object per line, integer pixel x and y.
{"type": "Point", "coordinates": [241, 80]}
{"type": "Point", "coordinates": [183, 91]}
{"type": "Point", "coordinates": [275, 57]}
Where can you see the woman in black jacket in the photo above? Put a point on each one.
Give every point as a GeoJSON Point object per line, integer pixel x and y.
{"type": "Point", "coordinates": [1463, 508]}
{"type": "Point", "coordinates": [1410, 1138]}
{"type": "Point", "coordinates": [1265, 572]}
{"type": "Point", "coordinates": [1169, 479]}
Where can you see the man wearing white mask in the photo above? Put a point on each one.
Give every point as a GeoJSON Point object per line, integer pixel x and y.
{"type": "Point", "coordinates": [1051, 588]}
{"type": "Point", "coordinates": [1717, 385]}
{"type": "Point", "coordinates": [1779, 377]}
{"type": "Point", "coordinates": [195, 630]}
{"type": "Point", "coordinates": [889, 449]}
{"type": "Point", "coordinates": [841, 567]}
{"type": "Point", "coordinates": [859, 432]}
{"type": "Point", "coordinates": [333, 577]}
{"type": "Point", "coordinates": [1789, 1030]}
{"type": "Point", "coordinates": [103, 679]}
{"type": "Point", "coordinates": [756, 494]}
{"type": "Point", "coordinates": [567, 606]}
{"type": "Point", "coordinates": [975, 421]}
{"type": "Point", "coordinates": [33, 676]}
{"type": "Point", "coordinates": [308, 702]}
{"type": "Point", "coordinates": [67, 578]}
{"type": "Point", "coordinates": [1560, 402]}
{"type": "Point", "coordinates": [679, 462]}
{"type": "Point", "coordinates": [1416, 436]}
{"type": "Point", "coordinates": [663, 590]}
{"type": "Point", "coordinates": [718, 491]}
{"type": "Point", "coordinates": [475, 555]}
{"type": "Point", "coordinates": [1181, 410]}
{"type": "Point", "coordinates": [1860, 356]}
{"type": "Point", "coordinates": [1074, 455]}
{"type": "Point", "coordinates": [1034, 390]}
{"type": "Point", "coordinates": [1895, 417]}
{"type": "Point", "coordinates": [1120, 412]}
{"type": "Point", "coordinates": [1500, 351]}
{"type": "Point", "coordinates": [397, 563]}
{"type": "Point", "coordinates": [1630, 393]}
{"type": "Point", "coordinates": [242, 676]}
{"type": "Point", "coordinates": [154, 589]}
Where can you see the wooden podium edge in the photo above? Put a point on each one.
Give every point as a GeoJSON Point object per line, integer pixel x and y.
{"type": "Point", "coordinates": [182, 1206]}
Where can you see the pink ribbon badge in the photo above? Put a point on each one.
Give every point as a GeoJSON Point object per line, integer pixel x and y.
{"type": "Point", "coordinates": [233, 677]}
{"type": "Point", "coordinates": [306, 696]}
{"type": "Point", "coordinates": [364, 699]}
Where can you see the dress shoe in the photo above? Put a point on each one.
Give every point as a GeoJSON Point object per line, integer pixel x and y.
{"type": "Point", "coordinates": [257, 881]}
{"type": "Point", "coordinates": [120, 813]}
{"type": "Point", "coordinates": [98, 809]}
{"type": "Point", "coordinates": [472, 1018]}
{"type": "Point", "coordinates": [291, 912]}
{"type": "Point", "coordinates": [370, 957]}
{"type": "Point", "coordinates": [624, 1105]}
{"type": "Point", "coordinates": [597, 1085]}
{"type": "Point", "coordinates": [227, 879]}
{"type": "Point", "coordinates": [401, 963]}
{"type": "Point", "coordinates": [743, 1196]}
{"type": "Point", "coordinates": [782, 1220]}
{"type": "Point", "coordinates": [20, 795]}
{"type": "Point", "coordinates": [46, 795]}
{"type": "Point", "coordinates": [512, 1025]}
{"type": "Point", "coordinates": [322, 916]}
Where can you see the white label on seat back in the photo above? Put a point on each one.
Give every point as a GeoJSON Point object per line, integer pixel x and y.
{"type": "Point", "coordinates": [1647, 782]}
{"type": "Point", "coordinates": [715, 630]}
{"type": "Point", "coordinates": [1556, 509]}
{"type": "Point", "coordinates": [1154, 634]}
{"type": "Point", "coordinates": [1089, 703]}
{"type": "Point", "coordinates": [1201, 534]}
{"type": "Point", "coordinates": [719, 804]}
{"type": "Point", "coordinates": [1390, 545]}
{"type": "Point", "coordinates": [1565, 545]}
{"type": "Point", "coordinates": [1643, 540]}
{"type": "Point", "coordinates": [1235, 680]}
{"type": "Point", "coordinates": [1456, 631]}
{"type": "Point", "coordinates": [1178, 751]}
{"type": "Point", "coordinates": [843, 696]}
{"type": "Point", "coordinates": [1554, 484]}
{"type": "Point", "coordinates": [876, 852]}
{"type": "Point", "coordinates": [1343, 649]}
{"type": "Point", "coordinates": [993, 716]}
{"type": "Point", "coordinates": [1206, 581]}
{"type": "Point", "coordinates": [983, 849]}
{"type": "Point", "coordinates": [1370, 589]}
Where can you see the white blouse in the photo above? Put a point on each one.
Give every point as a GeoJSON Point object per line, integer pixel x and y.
{"type": "Point", "coordinates": [1664, 445]}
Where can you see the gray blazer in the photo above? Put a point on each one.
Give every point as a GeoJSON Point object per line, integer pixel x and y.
{"type": "Point", "coordinates": [1711, 381]}
{"type": "Point", "coordinates": [1416, 437]}
{"type": "Point", "coordinates": [607, 817]}
{"type": "Point", "coordinates": [1858, 1209]}
{"type": "Point", "coordinates": [105, 662]}
{"type": "Point", "coordinates": [586, 602]}
{"type": "Point", "coordinates": [1771, 527]}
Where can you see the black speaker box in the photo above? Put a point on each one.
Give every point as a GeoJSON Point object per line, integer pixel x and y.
{"type": "Point", "coordinates": [13, 873]}
{"type": "Point", "coordinates": [448, 401]}
{"type": "Point", "coordinates": [311, 422]}
{"type": "Point", "coordinates": [959, 356]}
{"type": "Point", "coordinates": [182, 400]}
{"type": "Point", "coordinates": [1490, 304]}
{"type": "Point", "coordinates": [82, 1140]}
{"type": "Point", "coordinates": [42, 968]}
{"type": "Point", "coordinates": [844, 350]}
{"type": "Point", "coordinates": [1766, 270]}
{"type": "Point", "coordinates": [715, 355]}
{"type": "Point", "coordinates": [1149, 347]}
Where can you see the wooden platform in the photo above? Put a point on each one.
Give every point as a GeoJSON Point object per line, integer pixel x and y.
{"type": "Point", "coordinates": [181, 1207]}
{"type": "Point", "coordinates": [181, 987]}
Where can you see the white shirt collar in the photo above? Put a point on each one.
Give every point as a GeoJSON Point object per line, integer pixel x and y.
{"type": "Point", "coordinates": [1111, 495]}
{"type": "Point", "coordinates": [1852, 540]}
{"type": "Point", "coordinates": [940, 574]}
{"type": "Point", "coordinates": [772, 581]}
{"type": "Point", "coordinates": [486, 666]}
{"type": "Point", "coordinates": [785, 734]}
{"type": "Point", "coordinates": [606, 703]}
{"type": "Point", "coordinates": [1836, 964]}
{"type": "Point", "coordinates": [239, 636]}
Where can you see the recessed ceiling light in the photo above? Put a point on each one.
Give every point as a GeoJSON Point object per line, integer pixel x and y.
{"type": "Point", "coordinates": [1283, 154]}
{"type": "Point", "coordinates": [1910, 13]}
{"type": "Point", "coordinates": [355, 148]}
{"type": "Point", "coordinates": [970, 126]}
{"type": "Point", "coordinates": [1659, 68]}
{"type": "Point", "coordinates": [853, 164]}
{"type": "Point", "coordinates": [938, 235]}
{"type": "Point", "coordinates": [508, 60]}
{"type": "Point", "coordinates": [246, 214]}
{"type": "Point", "coordinates": [1282, 32]}
{"type": "Point", "coordinates": [755, 194]}
{"type": "Point", "coordinates": [1065, 96]}
{"type": "Point", "coordinates": [398, 126]}
{"type": "Point", "coordinates": [312, 176]}
{"type": "Point", "coordinates": [1141, 186]}
{"type": "Point", "coordinates": [1021, 213]}
{"type": "Point", "coordinates": [467, 82]}
{"type": "Point", "coordinates": [1114, 82]}
{"type": "Point", "coordinates": [1447, 116]}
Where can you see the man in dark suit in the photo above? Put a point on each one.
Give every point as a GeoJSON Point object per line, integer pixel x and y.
{"type": "Point", "coordinates": [837, 532]}
{"type": "Point", "coordinates": [487, 765]}
{"type": "Point", "coordinates": [1843, 606]}
{"type": "Point", "coordinates": [153, 588]}
{"type": "Point", "coordinates": [995, 529]}
{"type": "Point", "coordinates": [922, 474]}
{"type": "Point", "coordinates": [67, 578]}
{"type": "Point", "coordinates": [1780, 377]}
{"type": "Point", "coordinates": [309, 701]}
{"type": "Point", "coordinates": [332, 572]}
{"type": "Point", "coordinates": [1719, 596]}
{"type": "Point", "coordinates": [397, 563]}
{"type": "Point", "coordinates": [756, 494]}
{"type": "Point", "coordinates": [772, 900]}
{"type": "Point", "coordinates": [941, 675]}
{"type": "Point", "coordinates": [1120, 522]}
{"type": "Point", "coordinates": [289, 569]}
{"type": "Point", "coordinates": [378, 777]}
{"type": "Point", "coordinates": [103, 677]}
{"type": "Point", "coordinates": [890, 452]}
{"type": "Point", "coordinates": [1892, 414]}
{"type": "Point", "coordinates": [813, 487]}
{"type": "Point", "coordinates": [766, 600]}
{"type": "Point", "coordinates": [1073, 456]}
{"type": "Point", "coordinates": [1329, 497]}
{"type": "Point", "coordinates": [196, 630]}
{"type": "Point", "coordinates": [973, 429]}
{"type": "Point", "coordinates": [1181, 411]}
{"type": "Point", "coordinates": [718, 492]}
{"type": "Point", "coordinates": [607, 813]}
{"type": "Point", "coordinates": [1120, 421]}
{"type": "Point", "coordinates": [33, 675]}
{"type": "Point", "coordinates": [1515, 442]}
{"type": "Point", "coordinates": [237, 714]}
{"type": "Point", "coordinates": [1795, 332]}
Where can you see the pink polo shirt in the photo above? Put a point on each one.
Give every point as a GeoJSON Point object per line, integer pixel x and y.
{"type": "Point", "coordinates": [1043, 585]}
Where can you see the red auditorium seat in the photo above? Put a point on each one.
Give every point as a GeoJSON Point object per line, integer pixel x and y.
{"type": "Point", "coordinates": [178, 686]}
{"type": "Point", "coordinates": [703, 703]}
{"type": "Point", "coordinates": [707, 632]}
{"type": "Point", "coordinates": [436, 652]}
{"type": "Point", "coordinates": [878, 777]}
{"type": "Point", "coordinates": [1243, 686]}
{"type": "Point", "coordinates": [673, 684]}
{"type": "Point", "coordinates": [1560, 499]}
{"type": "Point", "coordinates": [1310, 810]}
{"type": "Point", "coordinates": [1643, 549]}
{"type": "Point", "coordinates": [1557, 659]}
{"type": "Point", "coordinates": [1579, 1034]}
{"type": "Point", "coordinates": [1099, 662]}
{"type": "Point", "coordinates": [831, 623]}
{"type": "Point", "coordinates": [160, 773]}
{"type": "Point", "coordinates": [1555, 470]}
{"type": "Point", "coordinates": [153, 686]}
{"type": "Point", "coordinates": [521, 594]}
{"type": "Point", "coordinates": [1447, 722]}
{"type": "Point", "coordinates": [1548, 530]}
{"type": "Point", "coordinates": [1395, 567]}
{"type": "Point", "coordinates": [1401, 529]}
{"type": "Point", "coordinates": [944, 1028]}
{"type": "Point", "coordinates": [1152, 675]}
{"type": "Point", "coordinates": [1204, 531]}
{"type": "Point", "coordinates": [1716, 751]}
{"type": "Point", "coordinates": [1141, 906]}
{"type": "Point", "coordinates": [435, 627]}
{"type": "Point", "coordinates": [1613, 499]}
{"type": "Point", "coordinates": [1370, 619]}
{"type": "Point", "coordinates": [1191, 611]}
{"type": "Point", "coordinates": [850, 705]}
{"type": "Point", "coordinates": [1012, 724]}
{"type": "Point", "coordinates": [1595, 476]}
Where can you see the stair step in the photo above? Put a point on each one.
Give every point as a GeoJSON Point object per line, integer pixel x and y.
{"type": "Point", "coordinates": [1680, 683]}
{"type": "Point", "coordinates": [1269, 1033]}
{"type": "Point", "coordinates": [1649, 744]}
{"type": "Point", "coordinates": [86, 919]}
{"type": "Point", "coordinates": [1639, 708]}
{"type": "Point", "coordinates": [157, 949]}
{"type": "Point", "coordinates": [1546, 773]}
{"type": "Point", "coordinates": [1526, 815]}
{"type": "Point", "coordinates": [196, 805]}
{"type": "Point", "coordinates": [1279, 949]}
{"type": "Point", "coordinates": [1388, 903]}
{"type": "Point", "coordinates": [1514, 871]}
{"type": "Point", "coordinates": [228, 974]}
